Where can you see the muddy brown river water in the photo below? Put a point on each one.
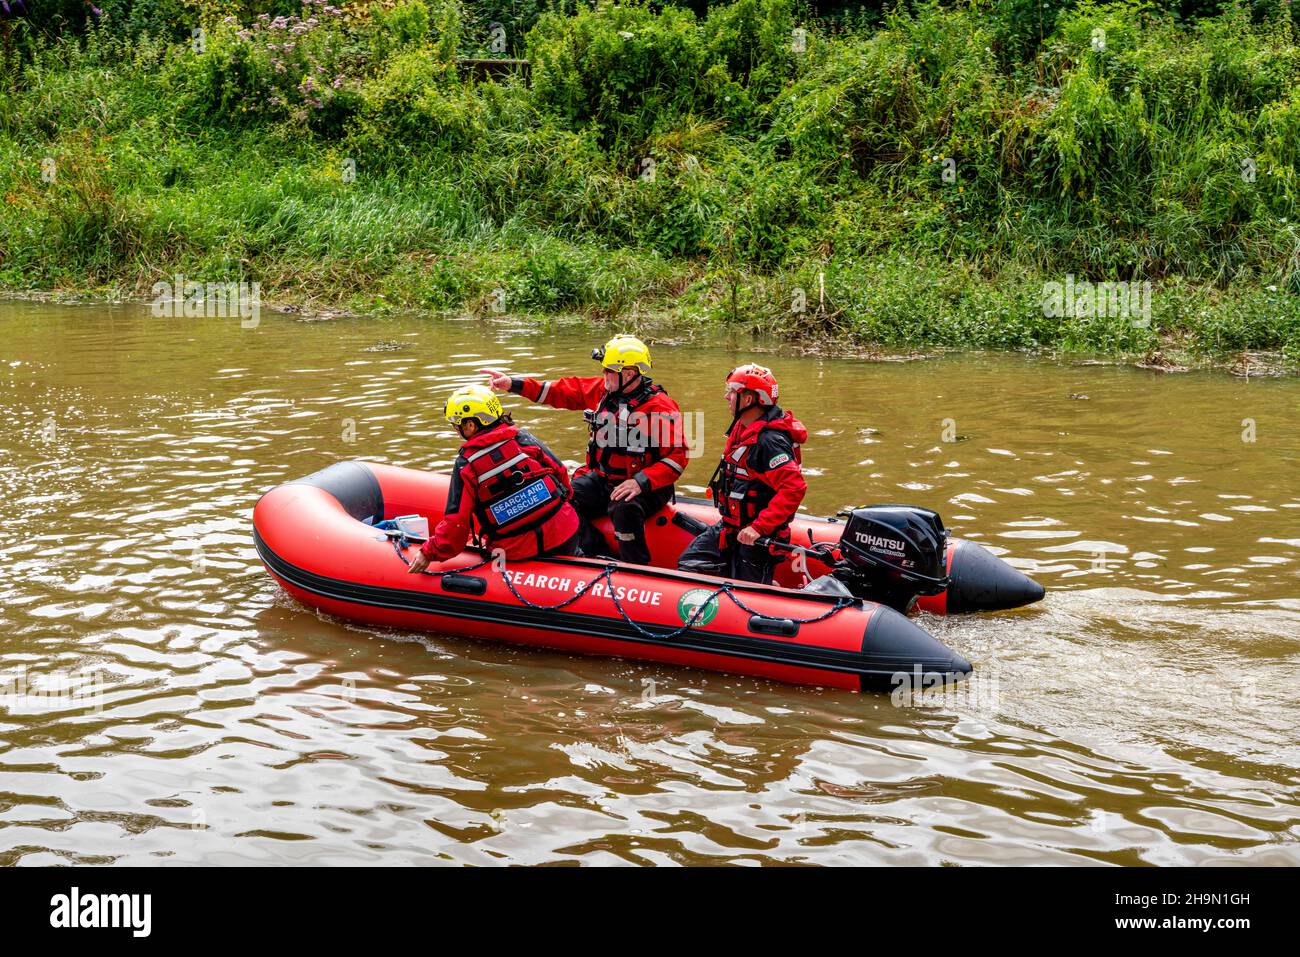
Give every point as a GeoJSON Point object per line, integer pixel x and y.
{"type": "Point", "coordinates": [161, 701]}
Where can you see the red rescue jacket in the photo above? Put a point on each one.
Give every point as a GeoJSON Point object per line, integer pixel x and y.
{"type": "Point", "coordinates": [759, 480]}
{"type": "Point", "coordinates": [637, 436]}
{"type": "Point", "coordinates": [509, 488]}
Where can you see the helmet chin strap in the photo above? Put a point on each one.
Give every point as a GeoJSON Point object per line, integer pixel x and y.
{"type": "Point", "coordinates": [738, 411]}
{"type": "Point", "coordinates": [624, 387]}
{"type": "Point", "coordinates": [480, 427]}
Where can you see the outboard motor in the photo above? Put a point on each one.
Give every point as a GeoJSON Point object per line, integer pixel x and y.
{"type": "Point", "coordinates": [891, 554]}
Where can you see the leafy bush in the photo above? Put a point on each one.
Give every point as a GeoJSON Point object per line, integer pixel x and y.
{"type": "Point", "coordinates": [415, 105]}
{"type": "Point", "coordinates": [753, 40]}
{"type": "Point", "coordinates": [621, 68]}
{"type": "Point", "coordinates": [294, 68]}
{"type": "Point", "coordinates": [935, 160]}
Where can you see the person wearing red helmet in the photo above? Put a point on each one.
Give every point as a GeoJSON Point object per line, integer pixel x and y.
{"type": "Point", "coordinates": [637, 447]}
{"type": "Point", "coordinates": [758, 484]}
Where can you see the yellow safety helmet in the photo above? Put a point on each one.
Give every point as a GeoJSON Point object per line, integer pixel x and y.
{"type": "Point", "coordinates": [623, 352]}
{"type": "Point", "coordinates": [473, 402]}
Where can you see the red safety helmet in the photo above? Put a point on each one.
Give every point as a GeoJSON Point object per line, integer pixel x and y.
{"type": "Point", "coordinates": [756, 379]}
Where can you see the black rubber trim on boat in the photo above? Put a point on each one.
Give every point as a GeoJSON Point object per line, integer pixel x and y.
{"type": "Point", "coordinates": [766, 625]}
{"type": "Point", "coordinates": [465, 584]}
{"type": "Point", "coordinates": [911, 656]}
{"type": "Point", "coordinates": [690, 523]}
{"type": "Point", "coordinates": [355, 487]}
{"type": "Point", "coordinates": [469, 609]}
{"type": "Point", "coordinates": [980, 581]}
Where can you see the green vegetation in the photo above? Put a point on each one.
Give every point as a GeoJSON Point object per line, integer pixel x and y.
{"type": "Point", "coordinates": [914, 175]}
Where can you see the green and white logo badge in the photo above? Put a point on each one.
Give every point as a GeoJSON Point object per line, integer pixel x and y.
{"type": "Point", "coordinates": [692, 600]}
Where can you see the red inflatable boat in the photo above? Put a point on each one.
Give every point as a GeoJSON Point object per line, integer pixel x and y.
{"type": "Point", "coordinates": [317, 538]}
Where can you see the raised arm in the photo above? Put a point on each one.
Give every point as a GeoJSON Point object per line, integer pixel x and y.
{"type": "Point", "coordinates": [570, 392]}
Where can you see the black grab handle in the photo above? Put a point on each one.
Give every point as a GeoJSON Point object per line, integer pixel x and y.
{"type": "Point", "coordinates": [465, 584]}
{"type": "Point", "coordinates": [764, 625]}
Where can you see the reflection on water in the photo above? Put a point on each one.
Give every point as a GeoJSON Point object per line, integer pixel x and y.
{"type": "Point", "coordinates": [1143, 713]}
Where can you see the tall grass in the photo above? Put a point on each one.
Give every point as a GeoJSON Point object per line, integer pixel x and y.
{"type": "Point", "coordinates": [930, 171]}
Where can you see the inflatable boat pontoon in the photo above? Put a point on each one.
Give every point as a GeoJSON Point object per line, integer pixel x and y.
{"type": "Point", "coordinates": [317, 537]}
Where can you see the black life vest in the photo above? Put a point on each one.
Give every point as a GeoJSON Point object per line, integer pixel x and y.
{"type": "Point", "coordinates": [739, 495]}
{"type": "Point", "coordinates": [619, 446]}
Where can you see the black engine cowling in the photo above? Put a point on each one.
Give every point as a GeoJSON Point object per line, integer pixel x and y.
{"type": "Point", "coordinates": [892, 554]}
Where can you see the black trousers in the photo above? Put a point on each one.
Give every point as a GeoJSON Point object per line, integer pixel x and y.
{"type": "Point", "coordinates": [749, 563]}
{"type": "Point", "coordinates": [567, 547]}
{"type": "Point", "coordinates": [591, 501]}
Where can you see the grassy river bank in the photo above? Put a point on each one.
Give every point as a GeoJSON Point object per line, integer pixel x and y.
{"type": "Point", "coordinates": [1097, 178]}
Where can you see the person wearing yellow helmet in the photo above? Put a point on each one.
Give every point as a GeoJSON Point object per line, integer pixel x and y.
{"type": "Point", "coordinates": [505, 484]}
{"type": "Point", "coordinates": [636, 450]}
